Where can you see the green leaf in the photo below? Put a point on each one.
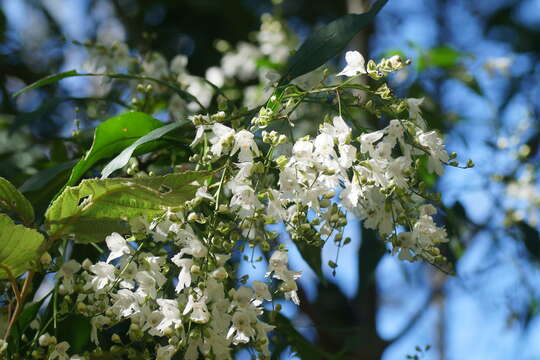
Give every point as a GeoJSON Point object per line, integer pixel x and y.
{"type": "Point", "coordinates": [75, 330]}
{"type": "Point", "coordinates": [293, 338]}
{"type": "Point", "coordinates": [12, 201]}
{"type": "Point", "coordinates": [443, 57]}
{"type": "Point", "coordinates": [122, 159]}
{"type": "Point", "coordinates": [327, 41]}
{"type": "Point", "coordinates": [98, 207]}
{"type": "Point", "coordinates": [41, 188]}
{"type": "Point", "coordinates": [41, 179]}
{"type": "Point", "coordinates": [531, 239]}
{"type": "Point", "coordinates": [28, 314]}
{"type": "Point", "coordinates": [73, 73]}
{"type": "Point", "coordinates": [312, 256]}
{"type": "Point", "coordinates": [111, 137]}
{"type": "Point", "coordinates": [46, 81]}
{"type": "Point", "coordinates": [19, 245]}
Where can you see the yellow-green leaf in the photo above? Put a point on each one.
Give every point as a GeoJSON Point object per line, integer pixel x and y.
{"type": "Point", "coordinates": [98, 207]}
{"type": "Point", "coordinates": [19, 245]}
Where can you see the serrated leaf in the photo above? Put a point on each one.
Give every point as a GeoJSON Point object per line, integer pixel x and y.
{"type": "Point", "coordinates": [122, 159]}
{"type": "Point", "coordinates": [46, 81]}
{"type": "Point", "coordinates": [19, 245]}
{"type": "Point", "coordinates": [111, 137]}
{"type": "Point", "coordinates": [12, 201]}
{"type": "Point", "coordinates": [98, 207]}
{"type": "Point", "coordinates": [327, 41]}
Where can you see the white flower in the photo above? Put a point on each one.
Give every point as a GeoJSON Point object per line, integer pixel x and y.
{"type": "Point", "coordinates": [367, 140]}
{"type": "Point", "coordinates": [98, 322]}
{"type": "Point", "coordinates": [339, 130]}
{"type": "Point", "coordinates": [202, 193]}
{"type": "Point", "coordinates": [184, 278]}
{"type": "Point", "coordinates": [199, 311]}
{"type": "Point", "coordinates": [414, 111]}
{"type": "Point", "coordinates": [355, 64]}
{"type": "Point", "coordinates": [171, 314]}
{"type": "Point", "coordinates": [215, 75]}
{"type": "Point", "coordinates": [350, 195]}
{"type": "Point", "coordinates": [241, 328]}
{"type": "Point", "coordinates": [126, 303]}
{"type": "Point", "coordinates": [152, 321]}
{"type": "Point", "coordinates": [67, 272]}
{"type": "Point", "coordinates": [222, 137]}
{"type": "Point", "coordinates": [395, 171]}
{"type": "Point", "coordinates": [147, 284]}
{"type": "Point", "coordinates": [303, 151]}
{"type": "Point", "coordinates": [434, 143]}
{"type": "Point", "coordinates": [244, 199]}
{"type": "Point", "coordinates": [261, 290]}
{"type": "Point", "coordinates": [104, 274]}
{"type": "Point", "coordinates": [191, 245]}
{"type": "Point", "coordinates": [165, 352]}
{"type": "Point", "coordinates": [289, 287]}
{"type": "Point", "coordinates": [262, 336]}
{"type": "Point", "coordinates": [498, 64]}
{"type": "Point", "coordinates": [278, 262]}
{"type": "Point", "coordinates": [242, 297]}
{"type": "Point", "coordinates": [117, 245]}
{"type": "Point", "coordinates": [198, 135]}
{"type": "Point", "coordinates": [59, 351]}
{"type": "Point", "coordinates": [347, 155]}
{"type": "Point", "coordinates": [324, 146]}
{"type": "Point", "coordinates": [275, 208]}
{"type": "Point", "coordinates": [243, 141]}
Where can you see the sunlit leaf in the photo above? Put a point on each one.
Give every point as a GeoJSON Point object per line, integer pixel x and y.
{"type": "Point", "coordinates": [19, 246]}
{"type": "Point", "coordinates": [96, 208]}
{"type": "Point", "coordinates": [111, 137]}
{"type": "Point", "coordinates": [122, 159]}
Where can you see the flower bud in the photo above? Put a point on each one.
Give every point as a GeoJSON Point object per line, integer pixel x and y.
{"type": "Point", "coordinates": [45, 258]}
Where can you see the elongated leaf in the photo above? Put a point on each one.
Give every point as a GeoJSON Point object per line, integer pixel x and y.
{"type": "Point", "coordinates": [73, 73]}
{"type": "Point", "coordinates": [46, 81]}
{"type": "Point", "coordinates": [122, 159]}
{"type": "Point", "coordinates": [111, 137]}
{"type": "Point", "coordinates": [312, 256]}
{"type": "Point", "coordinates": [43, 187]}
{"type": "Point", "coordinates": [11, 200]}
{"type": "Point", "coordinates": [96, 207]}
{"type": "Point", "coordinates": [28, 314]}
{"type": "Point", "coordinates": [327, 41]}
{"type": "Point", "coordinates": [531, 239]}
{"type": "Point", "coordinates": [443, 57]}
{"type": "Point", "coordinates": [42, 178]}
{"type": "Point", "coordinates": [296, 340]}
{"type": "Point", "coordinates": [75, 329]}
{"type": "Point", "coordinates": [19, 245]}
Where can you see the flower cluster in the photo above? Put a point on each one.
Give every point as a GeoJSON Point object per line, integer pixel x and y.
{"type": "Point", "coordinates": [171, 286]}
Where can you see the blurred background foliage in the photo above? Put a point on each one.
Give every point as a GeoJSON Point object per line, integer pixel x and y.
{"type": "Point", "coordinates": [476, 64]}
